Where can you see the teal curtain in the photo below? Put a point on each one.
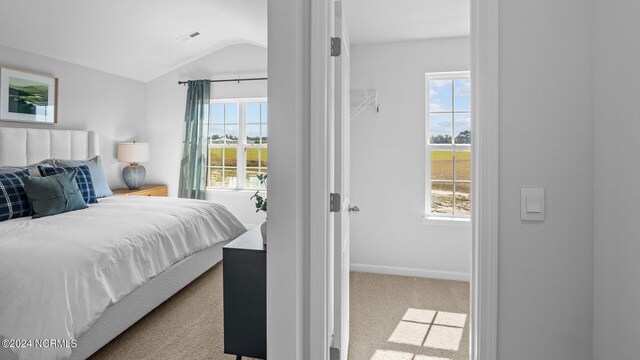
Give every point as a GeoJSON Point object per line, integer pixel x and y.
{"type": "Point", "coordinates": [194, 150]}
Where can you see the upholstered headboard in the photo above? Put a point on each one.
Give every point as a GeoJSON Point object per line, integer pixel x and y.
{"type": "Point", "coordinates": [22, 146]}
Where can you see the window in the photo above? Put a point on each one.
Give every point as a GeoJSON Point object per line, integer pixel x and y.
{"type": "Point", "coordinates": [237, 143]}
{"type": "Point", "coordinates": [448, 119]}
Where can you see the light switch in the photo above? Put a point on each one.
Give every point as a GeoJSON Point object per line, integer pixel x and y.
{"type": "Point", "coordinates": [532, 204]}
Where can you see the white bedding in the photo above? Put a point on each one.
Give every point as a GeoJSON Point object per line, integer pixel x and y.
{"type": "Point", "coordinates": [59, 273]}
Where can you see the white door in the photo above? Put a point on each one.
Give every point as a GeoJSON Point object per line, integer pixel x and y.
{"type": "Point", "coordinates": [341, 186]}
{"type": "Point", "coordinates": [329, 246]}
{"type": "Point", "coordinates": [332, 107]}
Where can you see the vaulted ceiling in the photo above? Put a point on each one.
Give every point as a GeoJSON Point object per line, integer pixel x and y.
{"type": "Point", "coordinates": [136, 39]}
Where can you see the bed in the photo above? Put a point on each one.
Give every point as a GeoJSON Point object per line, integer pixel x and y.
{"type": "Point", "coordinates": [90, 274]}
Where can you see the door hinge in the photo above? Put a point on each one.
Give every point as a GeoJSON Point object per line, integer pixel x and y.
{"type": "Point", "coordinates": [334, 202]}
{"type": "Point", "coordinates": [336, 46]}
{"type": "Point", "coordinates": [334, 353]}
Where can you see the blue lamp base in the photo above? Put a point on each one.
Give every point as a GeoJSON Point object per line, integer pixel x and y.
{"type": "Point", "coordinates": [133, 175]}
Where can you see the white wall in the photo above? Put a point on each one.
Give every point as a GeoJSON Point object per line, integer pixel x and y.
{"type": "Point", "coordinates": [616, 129]}
{"type": "Point", "coordinates": [388, 179]}
{"type": "Point", "coordinates": [89, 99]}
{"type": "Point", "coordinates": [288, 257]}
{"type": "Point", "coordinates": [546, 104]}
{"type": "Point", "coordinates": [165, 106]}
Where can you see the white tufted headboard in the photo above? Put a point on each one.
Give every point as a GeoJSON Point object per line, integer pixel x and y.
{"type": "Point", "coordinates": [24, 146]}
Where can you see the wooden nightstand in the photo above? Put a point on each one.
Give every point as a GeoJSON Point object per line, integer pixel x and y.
{"type": "Point", "coordinates": [145, 190]}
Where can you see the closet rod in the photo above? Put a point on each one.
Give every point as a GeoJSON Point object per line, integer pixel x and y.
{"type": "Point", "coordinates": [227, 80]}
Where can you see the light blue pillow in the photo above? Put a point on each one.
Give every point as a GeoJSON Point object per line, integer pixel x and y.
{"type": "Point", "coordinates": [97, 173]}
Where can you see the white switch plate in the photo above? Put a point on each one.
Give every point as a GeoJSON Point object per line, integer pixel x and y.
{"type": "Point", "coordinates": [532, 204]}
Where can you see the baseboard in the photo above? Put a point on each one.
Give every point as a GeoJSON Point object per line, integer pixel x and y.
{"type": "Point", "coordinates": [392, 270]}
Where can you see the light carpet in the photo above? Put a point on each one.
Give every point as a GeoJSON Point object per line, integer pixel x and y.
{"type": "Point", "coordinates": [392, 318]}
{"type": "Point", "coordinates": [189, 325]}
{"type": "Point", "coordinates": [408, 318]}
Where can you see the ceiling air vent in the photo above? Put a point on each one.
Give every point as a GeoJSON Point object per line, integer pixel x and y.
{"type": "Point", "coordinates": [189, 36]}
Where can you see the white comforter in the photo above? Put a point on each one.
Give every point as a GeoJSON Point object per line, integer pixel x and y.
{"type": "Point", "coordinates": [58, 274]}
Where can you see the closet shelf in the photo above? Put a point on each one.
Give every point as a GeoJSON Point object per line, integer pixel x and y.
{"type": "Point", "coordinates": [362, 99]}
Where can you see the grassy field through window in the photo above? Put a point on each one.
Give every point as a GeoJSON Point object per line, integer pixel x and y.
{"type": "Point", "coordinates": [256, 163]}
{"type": "Point", "coordinates": [442, 185]}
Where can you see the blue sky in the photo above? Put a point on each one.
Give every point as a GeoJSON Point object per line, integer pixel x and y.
{"type": "Point", "coordinates": [440, 99]}
{"type": "Point", "coordinates": [229, 114]}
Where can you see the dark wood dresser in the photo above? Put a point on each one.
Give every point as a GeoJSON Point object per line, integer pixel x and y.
{"type": "Point", "coordinates": [245, 296]}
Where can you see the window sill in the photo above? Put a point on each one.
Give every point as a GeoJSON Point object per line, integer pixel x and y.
{"type": "Point", "coordinates": [446, 221]}
{"type": "Point", "coordinates": [235, 190]}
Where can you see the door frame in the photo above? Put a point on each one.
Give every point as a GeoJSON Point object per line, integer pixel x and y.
{"type": "Point", "coordinates": [485, 201]}
{"type": "Point", "coordinates": [485, 122]}
{"type": "Point", "coordinates": [319, 182]}
{"type": "Point", "coordinates": [485, 178]}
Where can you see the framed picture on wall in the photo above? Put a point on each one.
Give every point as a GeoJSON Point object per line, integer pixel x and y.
{"type": "Point", "coordinates": [28, 97]}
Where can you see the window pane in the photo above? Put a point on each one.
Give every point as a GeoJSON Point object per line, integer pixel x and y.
{"type": "Point", "coordinates": [440, 128]}
{"type": "Point", "coordinates": [231, 157]}
{"type": "Point", "coordinates": [252, 113]}
{"type": "Point", "coordinates": [442, 197]}
{"type": "Point", "coordinates": [463, 165]}
{"type": "Point", "coordinates": [252, 158]}
{"type": "Point", "coordinates": [215, 177]}
{"type": "Point", "coordinates": [253, 134]}
{"type": "Point", "coordinates": [217, 114]}
{"type": "Point", "coordinates": [215, 156]}
{"type": "Point", "coordinates": [463, 199]}
{"type": "Point", "coordinates": [264, 133]}
{"type": "Point", "coordinates": [231, 177]}
{"type": "Point", "coordinates": [440, 95]}
{"type": "Point", "coordinates": [462, 128]}
{"type": "Point", "coordinates": [264, 111]}
{"type": "Point", "coordinates": [232, 133]}
{"type": "Point", "coordinates": [442, 165]}
{"type": "Point", "coordinates": [231, 113]}
{"type": "Point", "coordinates": [462, 98]}
{"type": "Point", "coordinates": [252, 180]}
{"type": "Point", "coordinates": [216, 134]}
{"type": "Point", "coordinates": [263, 158]}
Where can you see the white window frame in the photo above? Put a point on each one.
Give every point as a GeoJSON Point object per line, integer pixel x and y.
{"type": "Point", "coordinates": [430, 217]}
{"type": "Point", "coordinates": [241, 146]}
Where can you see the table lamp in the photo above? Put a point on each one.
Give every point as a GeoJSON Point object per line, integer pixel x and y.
{"type": "Point", "coordinates": [133, 153]}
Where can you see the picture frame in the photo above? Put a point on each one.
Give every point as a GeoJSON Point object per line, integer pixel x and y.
{"type": "Point", "coordinates": [28, 97]}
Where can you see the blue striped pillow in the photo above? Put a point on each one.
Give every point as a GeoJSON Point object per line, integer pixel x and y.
{"type": "Point", "coordinates": [13, 199]}
{"type": "Point", "coordinates": [84, 180]}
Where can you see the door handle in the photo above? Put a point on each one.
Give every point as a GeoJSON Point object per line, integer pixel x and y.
{"type": "Point", "coordinates": [354, 209]}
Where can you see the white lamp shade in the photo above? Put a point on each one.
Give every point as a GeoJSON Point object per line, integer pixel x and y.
{"type": "Point", "coordinates": [133, 152]}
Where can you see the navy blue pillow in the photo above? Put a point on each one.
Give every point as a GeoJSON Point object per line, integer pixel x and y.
{"type": "Point", "coordinates": [13, 199]}
{"type": "Point", "coordinates": [84, 180]}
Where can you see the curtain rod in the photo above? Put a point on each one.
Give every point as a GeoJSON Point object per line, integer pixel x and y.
{"type": "Point", "coordinates": [227, 80]}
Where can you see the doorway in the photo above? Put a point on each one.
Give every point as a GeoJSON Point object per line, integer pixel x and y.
{"type": "Point", "coordinates": [293, 262]}
{"type": "Point", "coordinates": [410, 140]}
